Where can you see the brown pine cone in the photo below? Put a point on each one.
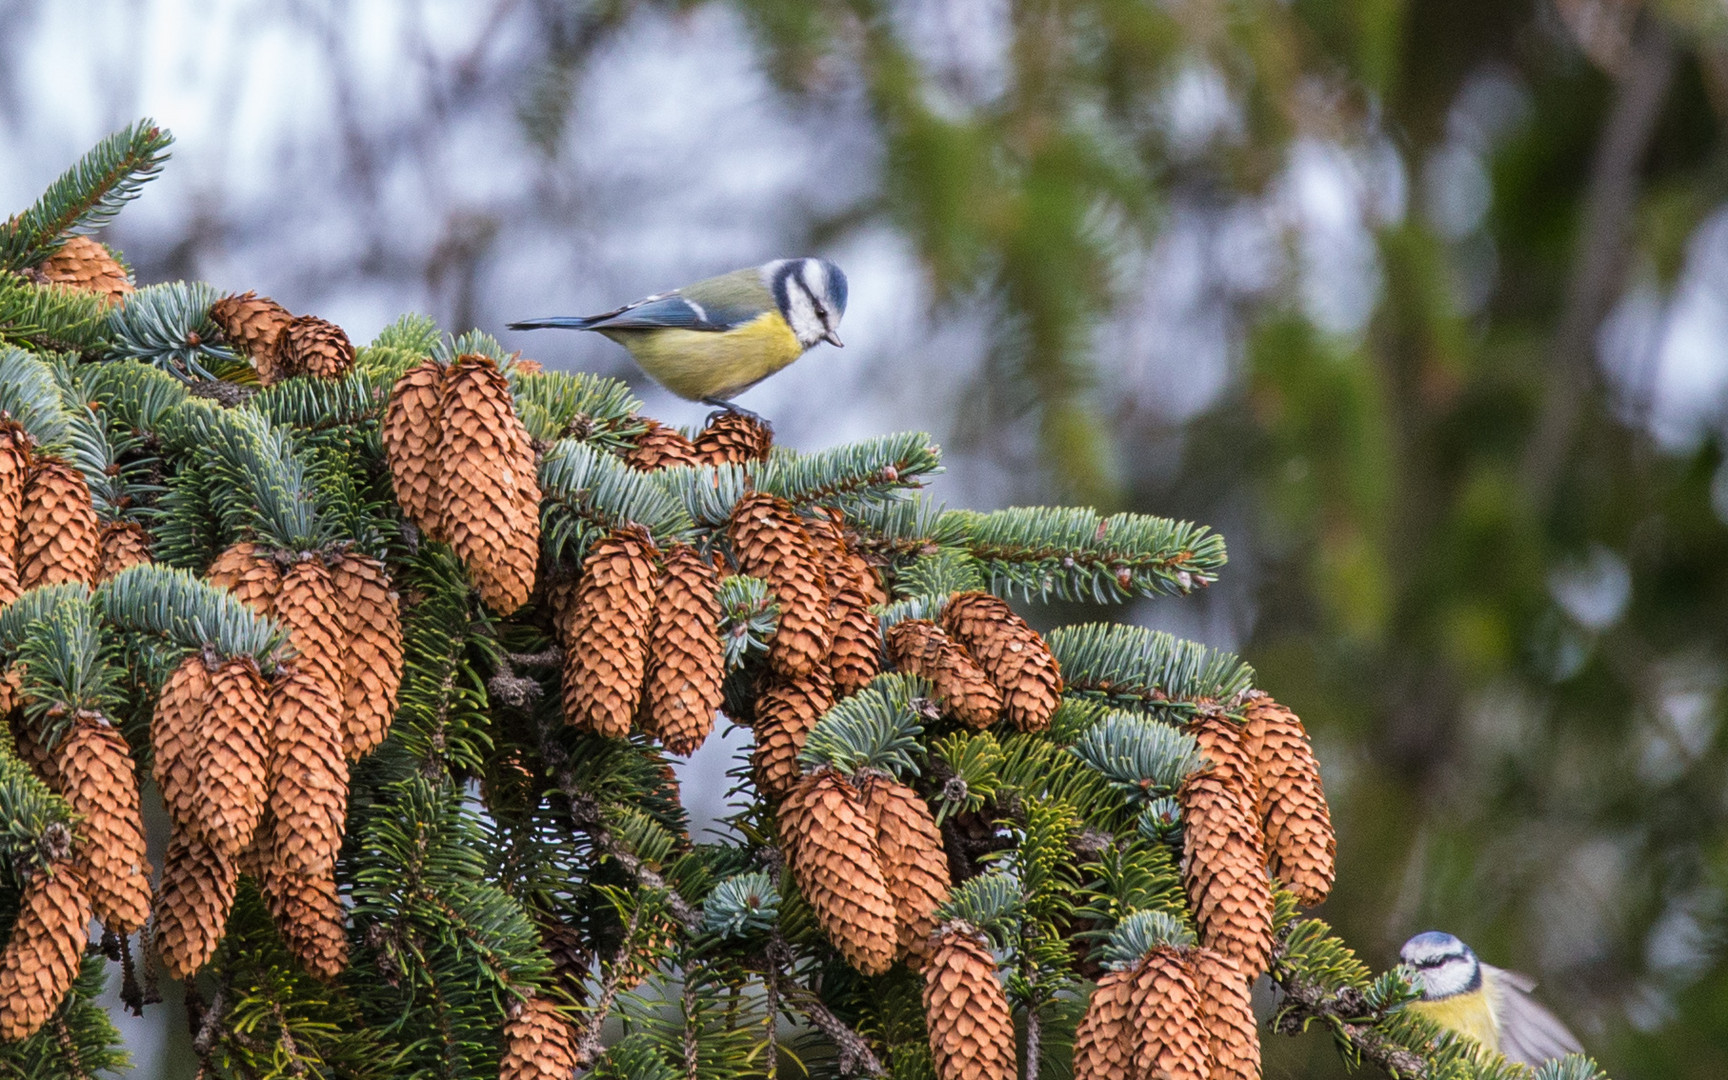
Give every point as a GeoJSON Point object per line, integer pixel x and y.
{"type": "Point", "coordinates": [686, 663]}
{"type": "Point", "coordinates": [491, 496]}
{"type": "Point", "coordinates": [1103, 1049]}
{"type": "Point", "coordinates": [87, 265]}
{"type": "Point", "coordinates": [57, 527]}
{"type": "Point", "coordinates": [733, 439]}
{"type": "Point", "coordinates": [308, 777]}
{"type": "Point", "coordinates": [310, 610]}
{"type": "Point", "coordinates": [192, 905]}
{"type": "Point", "coordinates": [606, 642]}
{"type": "Point", "coordinates": [247, 570]}
{"type": "Point", "coordinates": [175, 736]}
{"type": "Point", "coordinates": [1167, 1037]}
{"type": "Point", "coordinates": [539, 1043]}
{"type": "Point", "coordinates": [914, 866]}
{"type": "Point", "coordinates": [124, 544]}
{"type": "Point", "coordinates": [919, 647]}
{"type": "Point", "coordinates": [1300, 844]}
{"type": "Point", "coordinates": [233, 765]}
{"type": "Point", "coordinates": [1227, 1013]}
{"type": "Point", "coordinates": [42, 956]}
{"type": "Point", "coordinates": [372, 651]}
{"type": "Point", "coordinates": [316, 347]}
{"type": "Point", "coordinates": [30, 750]}
{"type": "Point", "coordinates": [832, 854]}
{"type": "Point", "coordinates": [855, 655]}
{"type": "Point", "coordinates": [413, 431]}
{"type": "Point", "coordinates": [661, 447]}
{"type": "Point", "coordinates": [96, 777]}
{"type": "Point", "coordinates": [786, 710]}
{"type": "Point", "coordinates": [15, 445]}
{"type": "Point", "coordinates": [1223, 742]}
{"type": "Point", "coordinates": [1011, 653]}
{"type": "Point", "coordinates": [253, 325]}
{"type": "Point", "coordinates": [309, 912]}
{"type": "Point", "coordinates": [1224, 868]}
{"type": "Point", "coordinates": [971, 1028]}
{"type": "Point", "coordinates": [770, 542]}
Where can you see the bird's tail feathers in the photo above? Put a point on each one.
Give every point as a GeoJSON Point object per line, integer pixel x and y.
{"type": "Point", "coordinates": [558, 322]}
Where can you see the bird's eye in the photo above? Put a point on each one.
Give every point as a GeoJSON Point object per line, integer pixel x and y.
{"type": "Point", "coordinates": [821, 312]}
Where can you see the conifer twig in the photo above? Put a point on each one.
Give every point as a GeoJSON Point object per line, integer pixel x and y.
{"type": "Point", "coordinates": [1342, 1011]}
{"type": "Point", "coordinates": [855, 1054]}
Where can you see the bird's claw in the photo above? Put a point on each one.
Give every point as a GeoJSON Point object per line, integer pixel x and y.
{"type": "Point", "coordinates": [725, 407]}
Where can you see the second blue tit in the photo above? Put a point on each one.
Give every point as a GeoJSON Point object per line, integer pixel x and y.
{"type": "Point", "coordinates": [717, 338]}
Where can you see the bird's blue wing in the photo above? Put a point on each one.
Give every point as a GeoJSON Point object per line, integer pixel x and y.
{"type": "Point", "coordinates": [671, 311]}
{"type": "Point", "coordinates": [719, 303]}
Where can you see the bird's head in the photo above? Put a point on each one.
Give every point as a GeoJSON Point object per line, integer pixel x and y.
{"type": "Point", "coordinates": [1443, 966]}
{"type": "Point", "coordinates": [812, 297]}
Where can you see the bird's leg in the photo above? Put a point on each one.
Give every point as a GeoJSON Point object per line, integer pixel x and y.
{"type": "Point", "coordinates": [729, 407]}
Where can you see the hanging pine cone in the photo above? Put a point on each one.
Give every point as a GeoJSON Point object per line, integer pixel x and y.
{"type": "Point", "coordinates": [308, 777]}
{"type": "Point", "coordinates": [42, 956]}
{"type": "Point", "coordinates": [909, 849]}
{"type": "Point", "coordinates": [539, 1043]}
{"type": "Point", "coordinates": [30, 750]}
{"type": "Point", "coordinates": [316, 347]}
{"type": "Point", "coordinates": [96, 777]}
{"type": "Point", "coordinates": [829, 847]}
{"type": "Point", "coordinates": [233, 765]}
{"type": "Point", "coordinates": [770, 542]}
{"type": "Point", "coordinates": [971, 1028]}
{"type": "Point", "coordinates": [1224, 868]}
{"type": "Point", "coordinates": [192, 905]}
{"type": "Point", "coordinates": [309, 609]}
{"type": "Point", "coordinates": [1223, 742]}
{"type": "Point", "coordinates": [253, 325]}
{"type": "Point", "coordinates": [606, 647]}
{"type": "Point", "coordinates": [309, 912]}
{"type": "Point", "coordinates": [686, 664]}
{"type": "Point", "coordinates": [1103, 1049]}
{"type": "Point", "coordinates": [1300, 844]}
{"type": "Point", "coordinates": [372, 651]}
{"type": "Point", "coordinates": [491, 491]}
{"type": "Point", "coordinates": [1167, 1037]}
{"type": "Point", "coordinates": [786, 710]}
{"type": "Point", "coordinates": [1226, 1011]}
{"type": "Point", "coordinates": [247, 570]}
{"type": "Point", "coordinates": [87, 265]}
{"type": "Point", "coordinates": [919, 647]}
{"type": "Point", "coordinates": [413, 430]}
{"type": "Point", "coordinates": [175, 736]}
{"type": "Point", "coordinates": [57, 528]}
{"type": "Point", "coordinates": [123, 544]}
{"type": "Point", "coordinates": [1011, 653]}
{"type": "Point", "coordinates": [733, 439]}
{"type": "Point", "coordinates": [15, 445]}
{"type": "Point", "coordinates": [661, 447]}
{"type": "Point", "coordinates": [855, 655]}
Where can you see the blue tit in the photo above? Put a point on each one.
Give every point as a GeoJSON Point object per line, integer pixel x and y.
{"type": "Point", "coordinates": [1462, 994]}
{"type": "Point", "coordinates": [715, 339]}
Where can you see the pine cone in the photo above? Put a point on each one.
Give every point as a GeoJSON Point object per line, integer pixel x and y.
{"type": "Point", "coordinates": [1103, 1049]}
{"type": "Point", "coordinates": [661, 447]}
{"type": "Point", "coordinates": [786, 710]}
{"type": "Point", "coordinates": [491, 491]}
{"type": "Point", "coordinates": [606, 643]}
{"type": "Point", "coordinates": [1223, 742]}
{"type": "Point", "coordinates": [1224, 868]}
{"type": "Point", "coordinates": [909, 849]}
{"type": "Point", "coordinates": [316, 347]}
{"type": "Point", "coordinates": [686, 664]}
{"type": "Point", "coordinates": [87, 265]}
{"type": "Point", "coordinates": [310, 610]}
{"type": "Point", "coordinates": [124, 544]}
{"type": "Point", "coordinates": [829, 846]}
{"type": "Point", "coordinates": [1011, 653]}
{"type": "Point", "coordinates": [372, 652]}
{"type": "Point", "coordinates": [253, 325]}
{"type": "Point", "coordinates": [247, 571]}
{"type": "Point", "coordinates": [57, 528]}
{"type": "Point", "coordinates": [96, 777]}
{"type": "Point", "coordinates": [1167, 1037]}
{"type": "Point", "coordinates": [971, 1029]}
{"type": "Point", "coordinates": [919, 647]}
{"type": "Point", "coordinates": [1300, 844]}
{"type": "Point", "coordinates": [539, 1043]}
{"type": "Point", "coordinates": [855, 655]}
{"type": "Point", "coordinates": [733, 439]}
{"type": "Point", "coordinates": [176, 734]}
{"type": "Point", "coordinates": [42, 956]}
{"type": "Point", "coordinates": [232, 768]}
{"type": "Point", "coordinates": [770, 542]}
{"type": "Point", "coordinates": [309, 912]}
{"type": "Point", "coordinates": [192, 905]}
{"type": "Point", "coordinates": [15, 445]}
{"type": "Point", "coordinates": [1227, 1013]}
{"type": "Point", "coordinates": [413, 430]}
{"type": "Point", "coordinates": [308, 777]}
{"type": "Point", "coordinates": [30, 750]}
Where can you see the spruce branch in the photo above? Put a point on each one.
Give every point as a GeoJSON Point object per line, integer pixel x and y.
{"type": "Point", "coordinates": [874, 470]}
{"type": "Point", "coordinates": [93, 190]}
{"type": "Point", "coordinates": [51, 317]}
{"type": "Point", "coordinates": [1148, 668]}
{"type": "Point", "coordinates": [587, 493]}
{"type": "Point", "coordinates": [30, 394]}
{"type": "Point", "coordinates": [1078, 554]}
{"type": "Point", "coordinates": [169, 326]}
{"type": "Point", "coordinates": [856, 1057]}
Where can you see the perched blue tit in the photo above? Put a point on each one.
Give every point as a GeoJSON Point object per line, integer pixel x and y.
{"type": "Point", "coordinates": [1462, 994]}
{"type": "Point", "coordinates": [715, 339]}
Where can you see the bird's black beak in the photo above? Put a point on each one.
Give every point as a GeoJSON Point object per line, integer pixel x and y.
{"type": "Point", "coordinates": [832, 337]}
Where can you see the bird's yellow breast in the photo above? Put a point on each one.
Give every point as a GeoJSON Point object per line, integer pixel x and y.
{"type": "Point", "coordinates": [699, 364]}
{"type": "Point", "coordinates": [1470, 1015]}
